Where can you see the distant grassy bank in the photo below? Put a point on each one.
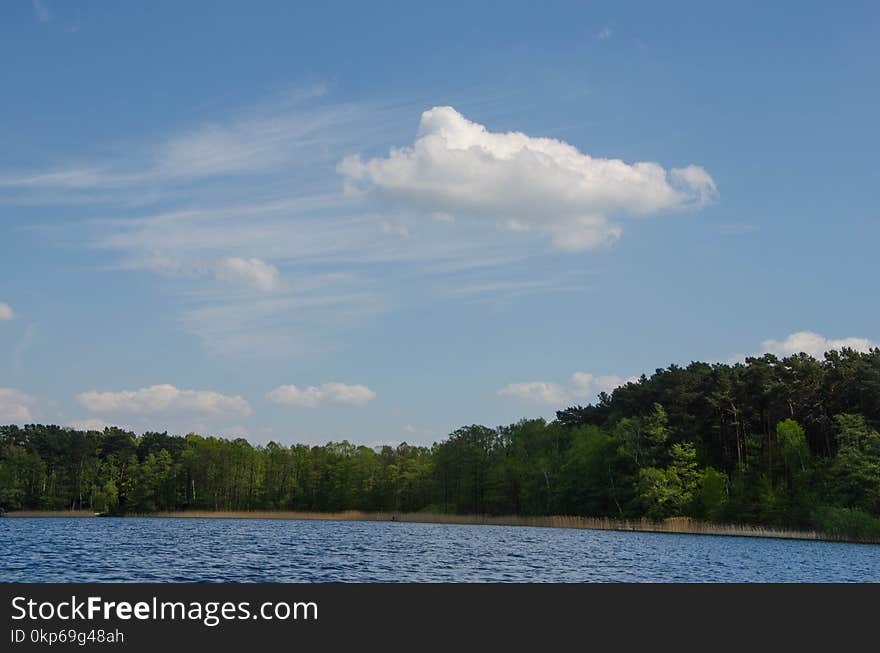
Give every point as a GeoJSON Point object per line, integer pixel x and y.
{"type": "Point", "coordinates": [680, 525]}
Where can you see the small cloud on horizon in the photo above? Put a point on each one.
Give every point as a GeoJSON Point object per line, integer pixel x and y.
{"type": "Point", "coordinates": [93, 425]}
{"type": "Point", "coordinates": [805, 342]}
{"type": "Point", "coordinates": [583, 385]}
{"type": "Point", "coordinates": [163, 399]}
{"type": "Point", "coordinates": [313, 396]}
{"type": "Point", "coordinates": [15, 407]}
{"type": "Point", "coordinates": [815, 345]}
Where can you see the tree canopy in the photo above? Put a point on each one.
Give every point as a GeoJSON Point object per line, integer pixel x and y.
{"type": "Point", "coordinates": [789, 442]}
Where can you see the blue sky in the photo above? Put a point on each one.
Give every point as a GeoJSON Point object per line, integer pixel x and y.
{"type": "Point", "coordinates": [381, 221]}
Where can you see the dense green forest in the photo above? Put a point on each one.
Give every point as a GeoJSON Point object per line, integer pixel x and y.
{"type": "Point", "coordinates": [791, 443]}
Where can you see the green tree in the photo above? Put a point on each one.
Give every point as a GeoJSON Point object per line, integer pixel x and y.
{"type": "Point", "coordinates": [712, 493]}
{"type": "Point", "coordinates": [855, 471]}
{"type": "Point", "coordinates": [670, 491]}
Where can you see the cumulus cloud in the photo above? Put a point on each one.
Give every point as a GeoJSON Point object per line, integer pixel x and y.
{"type": "Point", "coordinates": [15, 406]}
{"type": "Point", "coordinates": [164, 398]}
{"type": "Point", "coordinates": [814, 344]}
{"type": "Point", "coordinates": [458, 167]}
{"type": "Point", "coordinates": [583, 385]}
{"type": "Point", "coordinates": [312, 396]}
{"type": "Point", "coordinates": [6, 312]}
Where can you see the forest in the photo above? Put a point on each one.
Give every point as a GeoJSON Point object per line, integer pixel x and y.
{"type": "Point", "coordinates": [785, 442]}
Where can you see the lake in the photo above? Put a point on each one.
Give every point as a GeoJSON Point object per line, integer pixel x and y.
{"type": "Point", "coordinates": [265, 550]}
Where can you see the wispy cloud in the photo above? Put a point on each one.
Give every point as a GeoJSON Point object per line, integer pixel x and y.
{"type": "Point", "coordinates": [288, 325]}
{"type": "Point", "coordinates": [605, 34]}
{"type": "Point", "coordinates": [247, 144]}
{"type": "Point", "coordinates": [737, 229]}
{"type": "Point", "coordinates": [41, 11]}
{"type": "Point", "coordinates": [252, 272]}
{"type": "Point", "coordinates": [246, 218]}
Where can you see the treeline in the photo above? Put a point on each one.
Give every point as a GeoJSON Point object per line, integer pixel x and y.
{"type": "Point", "coordinates": [790, 443]}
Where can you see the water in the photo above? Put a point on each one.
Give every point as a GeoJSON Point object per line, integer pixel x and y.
{"type": "Point", "coordinates": [257, 550]}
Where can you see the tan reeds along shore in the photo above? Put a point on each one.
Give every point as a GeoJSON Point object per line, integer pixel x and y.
{"type": "Point", "coordinates": [681, 525]}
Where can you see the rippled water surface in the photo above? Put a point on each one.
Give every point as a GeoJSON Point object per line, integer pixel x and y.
{"type": "Point", "coordinates": [257, 550]}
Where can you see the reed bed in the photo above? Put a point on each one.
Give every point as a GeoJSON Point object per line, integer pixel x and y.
{"type": "Point", "coordinates": [680, 525]}
{"type": "Point", "coordinates": [50, 513]}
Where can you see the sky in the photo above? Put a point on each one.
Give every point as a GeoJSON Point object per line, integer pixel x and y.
{"type": "Point", "coordinates": [383, 221]}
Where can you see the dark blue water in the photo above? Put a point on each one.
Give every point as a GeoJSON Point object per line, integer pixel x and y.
{"type": "Point", "coordinates": [251, 550]}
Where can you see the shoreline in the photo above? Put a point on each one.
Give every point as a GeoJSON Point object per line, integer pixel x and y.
{"type": "Point", "coordinates": [674, 525]}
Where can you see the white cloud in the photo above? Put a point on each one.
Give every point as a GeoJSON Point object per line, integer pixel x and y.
{"type": "Point", "coordinates": [457, 167]}
{"type": "Point", "coordinates": [15, 406]}
{"type": "Point", "coordinates": [240, 147]}
{"type": "Point", "coordinates": [256, 143]}
{"type": "Point", "coordinates": [164, 399]}
{"type": "Point", "coordinates": [312, 396]}
{"type": "Point", "coordinates": [540, 392]}
{"type": "Point", "coordinates": [251, 271]}
{"type": "Point", "coordinates": [395, 229]}
{"type": "Point", "coordinates": [41, 11]}
{"type": "Point", "coordinates": [92, 425]}
{"type": "Point", "coordinates": [275, 201]}
{"type": "Point", "coordinates": [286, 325]}
{"type": "Point", "coordinates": [6, 312]}
{"type": "Point", "coordinates": [416, 431]}
{"type": "Point", "coordinates": [73, 178]}
{"type": "Point", "coordinates": [378, 444]}
{"type": "Point", "coordinates": [583, 386]}
{"type": "Point", "coordinates": [586, 385]}
{"type": "Point", "coordinates": [506, 287]}
{"type": "Point", "coordinates": [338, 260]}
{"type": "Point", "coordinates": [814, 344]}
{"type": "Point", "coordinates": [605, 34]}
